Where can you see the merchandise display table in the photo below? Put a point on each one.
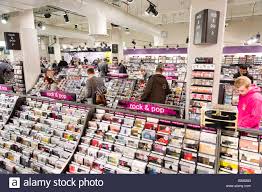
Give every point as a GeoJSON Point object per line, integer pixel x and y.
{"type": "Point", "coordinates": [51, 136]}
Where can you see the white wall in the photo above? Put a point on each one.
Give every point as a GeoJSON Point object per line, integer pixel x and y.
{"type": "Point", "coordinates": [241, 30]}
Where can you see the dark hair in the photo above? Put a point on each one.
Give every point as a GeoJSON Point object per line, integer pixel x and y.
{"type": "Point", "coordinates": [243, 66]}
{"type": "Point", "coordinates": [90, 71]}
{"type": "Point", "coordinates": [159, 70]}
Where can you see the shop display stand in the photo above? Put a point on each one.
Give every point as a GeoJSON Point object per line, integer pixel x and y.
{"type": "Point", "coordinates": [88, 118]}
{"type": "Point", "coordinates": [218, 150]}
{"type": "Point", "coordinates": [3, 108]}
{"type": "Point", "coordinates": [147, 166]}
{"type": "Point", "coordinates": [12, 165]}
{"type": "Point", "coordinates": [230, 67]}
{"type": "Point", "coordinates": [193, 155]}
{"type": "Point", "coordinates": [202, 85]}
{"type": "Point", "coordinates": [19, 79]}
{"type": "Point", "coordinates": [70, 80]}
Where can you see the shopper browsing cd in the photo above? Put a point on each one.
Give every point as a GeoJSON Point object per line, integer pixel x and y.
{"type": "Point", "coordinates": [103, 68]}
{"type": "Point", "coordinates": [243, 71]}
{"type": "Point", "coordinates": [95, 88]}
{"type": "Point", "coordinates": [122, 68]}
{"type": "Point", "coordinates": [250, 103]}
{"type": "Point", "coordinates": [157, 88]}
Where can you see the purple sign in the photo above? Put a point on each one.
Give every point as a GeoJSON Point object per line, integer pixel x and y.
{"type": "Point", "coordinates": [6, 88]}
{"type": "Point", "coordinates": [226, 50]}
{"type": "Point", "coordinates": [171, 78]}
{"type": "Point", "coordinates": [148, 108]}
{"type": "Point", "coordinates": [59, 95]}
{"type": "Point", "coordinates": [156, 51]}
{"type": "Point", "coordinates": [118, 75]}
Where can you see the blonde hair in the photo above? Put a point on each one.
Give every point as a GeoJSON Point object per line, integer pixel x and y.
{"type": "Point", "coordinates": [242, 81]}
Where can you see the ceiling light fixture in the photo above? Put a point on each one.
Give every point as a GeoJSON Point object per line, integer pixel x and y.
{"type": "Point", "coordinates": [127, 30]}
{"type": "Point", "coordinates": [151, 9]}
{"type": "Point", "coordinates": [144, 47]}
{"type": "Point", "coordinates": [76, 27]}
{"type": "Point", "coordinates": [66, 18]}
{"type": "Point", "coordinates": [41, 26]}
{"type": "Point", "coordinates": [130, 1]}
{"type": "Point", "coordinates": [133, 42]}
{"type": "Point", "coordinates": [47, 15]}
{"type": "Point", "coordinates": [4, 19]}
{"type": "Point", "coordinates": [150, 45]}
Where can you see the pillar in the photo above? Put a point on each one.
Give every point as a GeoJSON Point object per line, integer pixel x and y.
{"type": "Point", "coordinates": [30, 50]}
{"type": "Point", "coordinates": [98, 24]}
{"type": "Point", "coordinates": [117, 38]}
{"type": "Point", "coordinates": [54, 42]}
{"type": "Point", "coordinates": [207, 50]}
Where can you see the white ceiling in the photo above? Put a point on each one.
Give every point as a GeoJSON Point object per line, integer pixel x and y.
{"type": "Point", "coordinates": [176, 11]}
{"type": "Point", "coordinates": [170, 11]}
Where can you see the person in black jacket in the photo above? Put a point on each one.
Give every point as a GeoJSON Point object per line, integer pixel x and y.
{"type": "Point", "coordinates": [4, 69]}
{"type": "Point", "coordinates": [243, 72]}
{"type": "Point", "coordinates": [157, 88]}
{"type": "Point", "coordinates": [122, 68]}
{"type": "Point", "coordinates": [62, 63]}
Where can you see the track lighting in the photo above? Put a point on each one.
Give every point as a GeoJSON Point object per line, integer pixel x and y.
{"type": "Point", "coordinates": [134, 47]}
{"type": "Point", "coordinates": [76, 27]}
{"type": "Point", "coordinates": [130, 1]}
{"type": "Point", "coordinates": [4, 19]}
{"type": "Point", "coordinates": [150, 45]}
{"type": "Point", "coordinates": [127, 31]}
{"type": "Point", "coordinates": [151, 9]}
{"type": "Point", "coordinates": [167, 47]}
{"type": "Point", "coordinates": [66, 18]}
{"type": "Point", "coordinates": [133, 42]}
{"type": "Point", "coordinates": [144, 47]}
{"type": "Point", "coordinates": [47, 15]}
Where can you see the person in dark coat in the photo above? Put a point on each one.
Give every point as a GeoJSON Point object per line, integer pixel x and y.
{"type": "Point", "coordinates": [157, 88]}
{"type": "Point", "coordinates": [122, 68]}
{"type": "Point", "coordinates": [243, 71]}
{"type": "Point", "coordinates": [95, 85]}
{"type": "Point", "coordinates": [62, 64]}
{"type": "Point", "coordinates": [4, 68]}
{"type": "Point", "coordinates": [85, 61]}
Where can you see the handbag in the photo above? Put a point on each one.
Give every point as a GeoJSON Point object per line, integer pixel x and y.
{"type": "Point", "coordinates": [99, 97]}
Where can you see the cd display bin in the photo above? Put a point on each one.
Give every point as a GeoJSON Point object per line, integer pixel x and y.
{"type": "Point", "coordinates": [49, 136]}
{"type": "Point", "coordinates": [41, 135]}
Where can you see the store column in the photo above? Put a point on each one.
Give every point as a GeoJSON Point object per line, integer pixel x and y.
{"type": "Point", "coordinates": [54, 42]}
{"type": "Point", "coordinates": [29, 44]}
{"type": "Point", "coordinates": [206, 37]}
{"type": "Point", "coordinates": [118, 42]}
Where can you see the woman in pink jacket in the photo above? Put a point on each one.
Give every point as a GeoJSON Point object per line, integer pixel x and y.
{"type": "Point", "coordinates": [250, 103]}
